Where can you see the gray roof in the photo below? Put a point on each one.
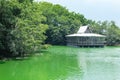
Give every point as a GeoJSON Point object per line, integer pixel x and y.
{"type": "Point", "coordinates": [82, 29]}
{"type": "Point", "coordinates": [85, 35]}
{"type": "Point", "coordinates": [82, 33]}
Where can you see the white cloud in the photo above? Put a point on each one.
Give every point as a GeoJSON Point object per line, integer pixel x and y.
{"type": "Point", "coordinates": [93, 9]}
{"type": "Point", "coordinates": [86, 2]}
{"type": "Point", "coordinates": [107, 2]}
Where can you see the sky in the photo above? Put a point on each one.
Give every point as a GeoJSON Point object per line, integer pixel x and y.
{"type": "Point", "coordinates": [93, 9]}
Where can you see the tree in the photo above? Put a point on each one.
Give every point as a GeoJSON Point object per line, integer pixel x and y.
{"type": "Point", "coordinates": [109, 29]}
{"type": "Point", "coordinates": [60, 22]}
{"type": "Point", "coordinates": [22, 27]}
{"type": "Point", "coordinates": [7, 21]}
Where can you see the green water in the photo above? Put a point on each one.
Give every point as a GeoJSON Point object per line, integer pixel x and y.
{"type": "Point", "coordinates": [65, 63]}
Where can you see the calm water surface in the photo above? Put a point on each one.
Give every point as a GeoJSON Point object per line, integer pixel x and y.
{"type": "Point", "coordinates": [65, 63]}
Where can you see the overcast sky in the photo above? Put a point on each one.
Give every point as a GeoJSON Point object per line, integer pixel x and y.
{"type": "Point", "coordinates": [93, 9]}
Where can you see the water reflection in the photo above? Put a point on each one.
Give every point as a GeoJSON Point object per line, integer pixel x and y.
{"type": "Point", "coordinates": [100, 64]}
{"type": "Point", "coordinates": [66, 63]}
{"type": "Point", "coordinates": [57, 63]}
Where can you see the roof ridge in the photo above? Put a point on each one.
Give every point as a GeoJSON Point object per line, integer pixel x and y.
{"type": "Point", "coordinates": [82, 29]}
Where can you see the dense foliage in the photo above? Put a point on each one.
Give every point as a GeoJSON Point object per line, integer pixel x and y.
{"type": "Point", "coordinates": [22, 30]}
{"type": "Point", "coordinates": [25, 25]}
{"type": "Point", "coordinates": [61, 22]}
{"type": "Point", "coordinates": [109, 29]}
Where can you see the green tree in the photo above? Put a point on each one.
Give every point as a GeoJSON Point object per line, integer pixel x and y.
{"type": "Point", "coordinates": [7, 23]}
{"type": "Point", "coordinates": [22, 27]}
{"type": "Point", "coordinates": [109, 29]}
{"type": "Point", "coordinates": [60, 22]}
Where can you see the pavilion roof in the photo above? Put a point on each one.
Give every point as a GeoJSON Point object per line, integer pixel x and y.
{"type": "Point", "coordinates": [85, 35]}
{"type": "Point", "coordinates": [84, 31]}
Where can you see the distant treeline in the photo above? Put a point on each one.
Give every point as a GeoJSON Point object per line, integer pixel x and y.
{"type": "Point", "coordinates": [25, 25]}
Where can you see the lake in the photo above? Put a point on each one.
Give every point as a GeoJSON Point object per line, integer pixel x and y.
{"type": "Point", "coordinates": [65, 63]}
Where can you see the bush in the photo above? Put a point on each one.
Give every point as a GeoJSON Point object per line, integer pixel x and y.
{"type": "Point", "coordinates": [46, 46]}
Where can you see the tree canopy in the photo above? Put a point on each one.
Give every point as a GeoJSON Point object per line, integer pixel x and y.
{"type": "Point", "coordinates": [26, 25]}
{"type": "Point", "coordinates": [60, 22]}
{"type": "Point", "coordinates": [22, 30]}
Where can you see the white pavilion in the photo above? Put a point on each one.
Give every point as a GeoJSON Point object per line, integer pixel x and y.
{"type": "Point", "coordinates": [85, 38]}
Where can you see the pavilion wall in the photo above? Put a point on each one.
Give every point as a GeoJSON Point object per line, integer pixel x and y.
{"type": "Point", "coordinates": [86, 41]}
